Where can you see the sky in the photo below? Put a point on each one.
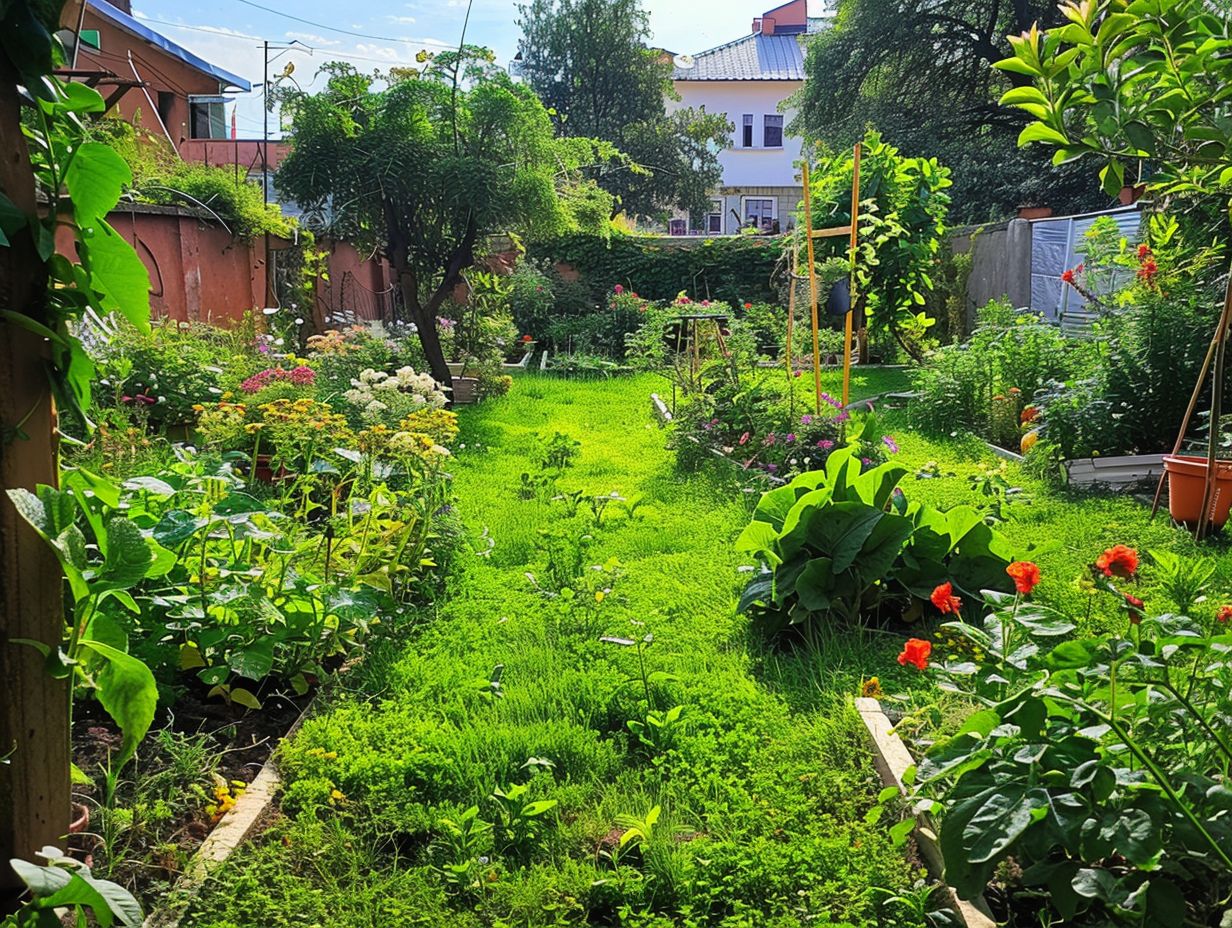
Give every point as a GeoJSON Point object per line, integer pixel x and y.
{"type": "Point", "coordinates": [229, 33]}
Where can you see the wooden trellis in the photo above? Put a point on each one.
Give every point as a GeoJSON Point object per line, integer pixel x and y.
{"type": "Point", "coordinates": [853, 231]}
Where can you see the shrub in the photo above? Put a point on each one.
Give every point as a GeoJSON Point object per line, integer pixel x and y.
{"type": "Point", "coordinates": [842, 544]}
{"type": "Point", "coordinates": [1092, 778]}
{"type": "Point", "coordinates": [985, 384]}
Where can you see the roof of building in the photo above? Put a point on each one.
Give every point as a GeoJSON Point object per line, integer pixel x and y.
{"type": "Point", "coordinates": [135, 27]}
{"type": "Point", "coordinates": [752, 58]}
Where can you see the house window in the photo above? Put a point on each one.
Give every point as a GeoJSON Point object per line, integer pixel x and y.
{"type": "Point", "coordinates": [714, 218]}
{"type": "Point", "coordinates": [773, 132]}
{"type": "Point", "coordinates": [207, 117]}
{"type": "Point", "coordinates": [760, 213]}
{"type": "Point", "coordinates": [747, 137]}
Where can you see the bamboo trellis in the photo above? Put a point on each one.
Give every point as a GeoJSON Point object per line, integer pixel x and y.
{"type": "Point", "coordinates": [853, 231]}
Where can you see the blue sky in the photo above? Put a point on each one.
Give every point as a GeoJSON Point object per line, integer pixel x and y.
{"type": "Point", "coordinates": [229, 33]}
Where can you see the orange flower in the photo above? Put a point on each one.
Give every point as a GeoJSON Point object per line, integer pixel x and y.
{"type": "Point", "coordinates": [944, 599]}
{"type": "Point", "coordinates": [1225, 614]}
{"type": "Point", "coordinates": [1118, 561]}
{"type": "Point", "coordinates": [916, 652]}
{"type": "Point", "coordinates": [1029, 414]}
{"type": "Point", "coordinates": [1025, 575]}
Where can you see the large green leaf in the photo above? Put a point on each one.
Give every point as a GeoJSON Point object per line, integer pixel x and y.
{"type": "Point", "coordinates": [883, 547]}
{"type": "Point", "coordinates": [840, 531]}
{"type": "Point", "coordinates": [1002, 820]}
{"type": "Point", "coordinates": [117, 272]}
{"type": "Point", "coordinates": [759, 538]}
{"type": "Point", "coordinates": [815, 587]}
{"type": "Point", "coordinates": [108, 901]}
{"type": "Point", "coordinates": [95, 179]}
{"type": "Point", "coordinates": [128, 555]}
{"type": "Point", "coordinates": [126, 689]}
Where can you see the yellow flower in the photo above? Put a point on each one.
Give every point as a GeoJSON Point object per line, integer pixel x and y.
{"type": "Point", "coordinates": [871, 688]}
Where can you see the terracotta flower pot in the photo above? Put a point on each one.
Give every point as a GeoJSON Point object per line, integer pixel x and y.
{"type": "Point", "coordinates": [1186, 483]}
{"type": "Point", "coordinates": [1034, 212]}
{"type": "Point", "coordinates": [265, 470]}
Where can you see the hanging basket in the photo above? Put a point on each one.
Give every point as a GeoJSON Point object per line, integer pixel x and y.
{"type": "Point", "coordinates": [838, 303]}
{"type": "Point", "coordinates": [1186, 484]}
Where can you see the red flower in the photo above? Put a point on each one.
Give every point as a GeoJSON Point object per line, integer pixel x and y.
{"type": "Point", "coordinates": [1029, 414]}
{"type": "Point", "coordinates": [1068, 276]}
{"type": "Point", "coordinates": [1148, 270]}
{"type": "Point", "coordinates": [1144, 252]}
{"type": "Point", "coordinates": [744, 439]}
{"type": "Point", "coordinates": [527, 338]}
{"type": "Point", "coordinates": [916, 652]}
{"type": "Point", "coordinates": [1025, 575]}
{"type": "Point", "coordinates": [1118, 561]}
{"type": "Point", "coordinates": [944, 599]}
{"type": "Point", "coordinates": [619, 289]}
{"type": "Point", "coordinates": [748, 305]}
{"type": "Point", "coordinates": [1134, 606]}
{"type": "Point", "coordinates": [1225, 614]}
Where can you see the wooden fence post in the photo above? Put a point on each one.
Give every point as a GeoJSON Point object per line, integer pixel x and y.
{"type": "Point", "coordinates": [34, 784]}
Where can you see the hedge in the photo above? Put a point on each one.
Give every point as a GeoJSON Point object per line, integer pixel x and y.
{"type": "Point", "coordinates": [739, 269]}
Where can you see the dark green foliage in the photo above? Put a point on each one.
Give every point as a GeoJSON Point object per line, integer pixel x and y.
{"type": "Point", "coordinates": [591, 63]}
{"type": "Point", "coordinates": [984, 384]}
{"type": "Point", "coordinates": [1096, 764]}
{"type": "Point", "coordinates": [903, 210]}
{"type": "Point", "coordinates": [841, 545]}
{"type": "Point", "coordinates": [923, 76]}
{"type": "Point", "coordinates": [734, 270]}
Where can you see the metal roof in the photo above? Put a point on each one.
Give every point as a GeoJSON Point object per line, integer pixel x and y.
{"type": "Point", "coordinates": [753, 58]}
{"type": "Point", "coordinates": [135, 26]}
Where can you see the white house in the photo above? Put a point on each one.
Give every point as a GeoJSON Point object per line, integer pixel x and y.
{"type": "Point", "coordinates": [749, 80]}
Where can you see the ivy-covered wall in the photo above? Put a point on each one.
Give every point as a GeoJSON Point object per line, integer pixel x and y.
{"type": "Point", "coordinates": [740, 269]}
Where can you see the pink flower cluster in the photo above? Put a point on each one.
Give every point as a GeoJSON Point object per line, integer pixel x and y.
{"type": "Point", "coordinates": [301, 376]}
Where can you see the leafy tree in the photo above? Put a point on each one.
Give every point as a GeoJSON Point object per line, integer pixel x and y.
{"type": "Point", "coordinates": [590, 63]}
{"type": "Point", "coordinates": [921, 72]}
{"type": "Point", "coordinates": [1142, 88]}
{"type": "Point", "coordinates": [432, 161]}
{"type": "Point", "coordinates": [902, 223]}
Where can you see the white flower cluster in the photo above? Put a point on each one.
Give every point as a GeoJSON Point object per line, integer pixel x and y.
{"type": "Point", "coordinates": [384, 397]}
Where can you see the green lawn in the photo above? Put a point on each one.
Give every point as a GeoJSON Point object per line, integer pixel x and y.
{"type": "Point", "coordinates": [764, 782]}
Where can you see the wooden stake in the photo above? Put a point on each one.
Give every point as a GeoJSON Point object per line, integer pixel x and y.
{"type": "Point", "coordinates": [1193, 404]}
{"type": "Point", "coordinates": [1212, 445]}
{"type": "Point", "coordinates": [855, 239]}
{"type": "Point", "coordinates": [791, 305]}
{"type": "Point", "coordinates": [812, 267]}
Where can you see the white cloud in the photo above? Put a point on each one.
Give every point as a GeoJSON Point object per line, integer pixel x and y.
{"type": "Point", "coordinates": [402, 20]}
{"type": "Point", "coordinates": [312, 38]}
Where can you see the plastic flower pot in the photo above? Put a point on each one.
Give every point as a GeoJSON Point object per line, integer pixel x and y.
{"type": "Point", "coordinates": [1186, 482]}
{"type": "Point", "coordinates": [838, 303]}
{"type": "Point", "coordinates": [465, 390]}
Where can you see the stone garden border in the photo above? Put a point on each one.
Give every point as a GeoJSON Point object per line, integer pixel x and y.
{"type": "Point", "coordinates": [891, 758]}
{"type": "Point", "coordinates": [231, 831]}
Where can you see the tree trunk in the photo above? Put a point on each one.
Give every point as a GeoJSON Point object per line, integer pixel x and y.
{"type": "Point", "coordinates": [425, 321]}
{"type": "Point", "coordinates": [34, 786]}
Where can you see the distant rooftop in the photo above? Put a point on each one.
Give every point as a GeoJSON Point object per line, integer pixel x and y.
{"type": "Point", "coordinates": [752, 58]}
{"type": "Point", "coordinates": [135, 27]}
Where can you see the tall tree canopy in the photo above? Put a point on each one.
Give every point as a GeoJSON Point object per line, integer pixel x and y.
{"type": "Point", "coordinates": [921, 71]}
{"type": "Point", "coordinates": [590, 62]}
{"type": "Point", "coordinates": [426, 162]}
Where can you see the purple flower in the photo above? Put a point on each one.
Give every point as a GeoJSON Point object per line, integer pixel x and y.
{"type": "Point", "coordinates": [771, 468]}
{"type": "Point", "coordinates": [706, 426]}
{"type": "Point", "coordinates": [868, 462]}
{"type": "Point", "coordinates": [832, 401]}
{"type": "Point", "coordinates": [890, 443]}
{"type": "Point", "coordinates": [806, 420]}
{"type": "Point", "coordinates": [790, 436]}
{"type": "Point", "coordinates": [770, 439]}
{"type": "Point", "coordinates": [825, 444]}
{"type": "Point", "coordinates": [842, 416]}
